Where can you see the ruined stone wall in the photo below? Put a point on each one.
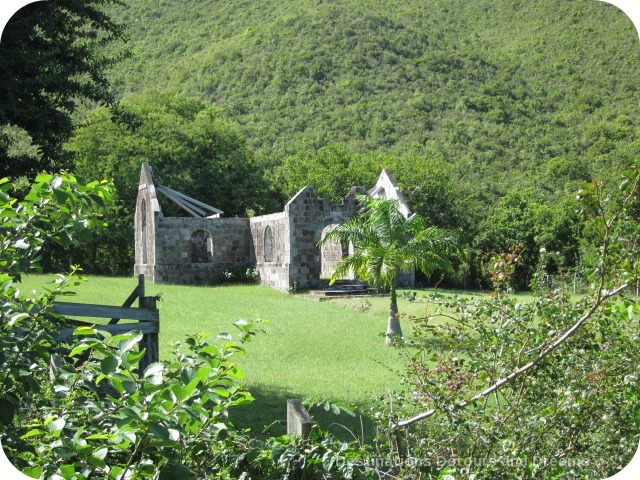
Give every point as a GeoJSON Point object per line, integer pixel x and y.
{"type": "Point", "coordinates": [270, 235]}
{"type": "Point", "coordinates": [308, 216]}
{"type": "Point", "coordinates": [147, 212]}
{"type": "Point", "coordinates": [283, 246]}
{"type": "Point", "coordinates": [200, 250]}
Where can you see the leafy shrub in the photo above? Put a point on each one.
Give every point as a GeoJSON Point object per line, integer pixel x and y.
{"type": "Point", "coordinates": [507, 388]}
{"type": "Point", "coordinates": [296, 288]}
{"type": "Point", "coordinates": [240, 275]}
{"type": "Point", "coordinates": [102, 419]}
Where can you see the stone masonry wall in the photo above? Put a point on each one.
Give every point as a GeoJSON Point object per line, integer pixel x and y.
{"type": "Point", "coordinates": [228, 245]}
{"type": "Point", "coordinates": [146, 215]}
{"type": "Point", "coordinates": [273, 266]}
{"type": "Point", "coordinates": [283, 246]}
{"type": "Point", "coordinates": [308, 216]}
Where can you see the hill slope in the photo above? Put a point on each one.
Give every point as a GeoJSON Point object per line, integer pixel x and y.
{"type": "Point", "coordinates": [490, 85]}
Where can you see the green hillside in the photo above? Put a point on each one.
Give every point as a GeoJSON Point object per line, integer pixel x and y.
{"type": "Point", "coordinates": [546, 87]}
{"type": "Point", "coordinates": [490, 114]}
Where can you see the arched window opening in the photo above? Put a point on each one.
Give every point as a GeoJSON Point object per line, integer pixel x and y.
{"type": "Point", "coordinates": [201, 247]}
{"type": "Point", "coordinates": [143, 213]}
{"type": "Point", "coordinates": [331, 253]}
{"type": "Point", "coordinates": [268, 244]}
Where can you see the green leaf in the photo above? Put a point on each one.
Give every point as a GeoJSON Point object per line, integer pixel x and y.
{"type": "Point", "coordinates": [636, 414]}
{"type": "Point", "coordinates": [134, 357]}
{"type": "Point", "coordinates": [109, 365]}
{"type": "Point", "coordinates": [446, 473]}
{"type": "Point", "coordinates": [116, 471]}
{"type": "Point", "coordinates": [131, 341]}
{"type": "Point", "coordinates": [180, 392]}
{"type": "Point", "coordinates": [192, 386]}
{"type": "Point", "coordinates": [159, 431]}
{"type": "Point", "coordinates": [101, 453]}
{"type": "Point", "coordinates": [211, 350]}
{"type": "Point", "coordinates": [33, 433]}
{"type": "Point", "coordinates": [85, 331]}
{"type": "Point", "coordinates": [158, 415]}
{"type": "Point", "coordinates": [97, 462]}
{"type": "Point", "coordinates": [130, 386]}
{"type": "Point", "coordinates": [33, 472]}
{"type": "Point", "coordinates": [235, 373]}
{"type": "Point", "coordinates": [67, 471]}
{"type": "Point", "coordinates": [223, 392]}
{"type": "Point", "coordinates": [61, 195]}
{"type": "Point", "coordinates": [85, 345]}
{"type": "Point", "coordinates": [203, 373]}
{"type": "Point", "coordinates": [153, 369]}
{"type": "Point", "coordinates": [56, 425]}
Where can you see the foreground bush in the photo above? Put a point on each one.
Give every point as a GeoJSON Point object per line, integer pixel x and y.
{"type": "Point", "coordinates": [500, 389]}
{"type": "Point", "coordinates": [506, 388]}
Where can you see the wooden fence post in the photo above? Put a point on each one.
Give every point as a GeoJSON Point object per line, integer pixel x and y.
{"type": "Point", "coordinates": [298, 420]}
{"type": "Point", "coordinates": [147, 316]}
{"type": "Point", "coordinates": [149, 340]}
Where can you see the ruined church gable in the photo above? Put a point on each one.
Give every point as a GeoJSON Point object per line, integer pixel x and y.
{"type": "Point", "coordinates": [281, 246]}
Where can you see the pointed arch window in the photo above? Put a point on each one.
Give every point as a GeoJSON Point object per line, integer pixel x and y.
{"type": "Point", "coordinates": [143, 212]}
{"type": "Point", "coordinates": [268, 244]}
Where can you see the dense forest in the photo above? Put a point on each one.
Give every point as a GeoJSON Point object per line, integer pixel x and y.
{"type": "Point", "coordinates": [511, 125]}
{"type": "Point", "coordinates": [491, 114]}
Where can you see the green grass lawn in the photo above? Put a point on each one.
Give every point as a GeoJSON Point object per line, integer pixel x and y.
{"type": "Point", "coordinates": [329, 351]}
{"type": "Point", "coordinates": [322, 351]}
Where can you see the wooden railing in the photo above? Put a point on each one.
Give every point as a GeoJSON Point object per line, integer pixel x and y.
{"type": "Point", "coordinates": [146, 314]}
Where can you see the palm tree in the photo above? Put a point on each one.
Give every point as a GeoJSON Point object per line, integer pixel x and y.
{"type": "Point", "coordinates": [386, 243]}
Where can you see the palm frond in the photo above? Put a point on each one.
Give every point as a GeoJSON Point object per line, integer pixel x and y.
{"type": "Point", "coordinates": [386, 243]}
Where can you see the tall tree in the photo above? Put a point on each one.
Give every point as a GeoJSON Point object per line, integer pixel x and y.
{"type": "Point", "coordinates": [192, 148]}
{"type": "Point", "coordinates": [386, 243]}
{"type": "Point", "coordinates": [52, 57]}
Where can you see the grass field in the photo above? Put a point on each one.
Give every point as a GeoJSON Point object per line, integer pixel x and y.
{"type": "Point", "coordinates": [324, 351]}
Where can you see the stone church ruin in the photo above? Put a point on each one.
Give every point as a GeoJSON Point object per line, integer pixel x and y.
{"type": "Point", "coordinates": [281, 247]}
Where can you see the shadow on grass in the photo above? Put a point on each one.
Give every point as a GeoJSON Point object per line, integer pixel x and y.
{"type": "Point", "coordinates": [267, 417]}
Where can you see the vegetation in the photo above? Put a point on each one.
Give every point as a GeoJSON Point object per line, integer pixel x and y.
{"type": "Point", "coordinates": [386, 244]}
{"type": "Point", "coordinates": [532, 377]}
{"type": "Point", "coordinates": [52, 59]}
{"type": "Point", "coordinates": [509, 93]}
{"type": "Point", "coordinates": [491, 114]}
{"type": "Point", "coordinates": [396, 76]}
{"type": "Point", "coordinates": [505, 386]}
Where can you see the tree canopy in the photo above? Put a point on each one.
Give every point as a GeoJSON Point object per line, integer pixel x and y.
{"type": "Point", "coordinates": [190, 145]}
{"type": "Point", "coordinates": [501, 90]}
{"type": "Point", "coordinates": [52, 58]}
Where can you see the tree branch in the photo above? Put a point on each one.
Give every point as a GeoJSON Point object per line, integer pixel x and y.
{"type": "Point", "coordinates": [601, 298]}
